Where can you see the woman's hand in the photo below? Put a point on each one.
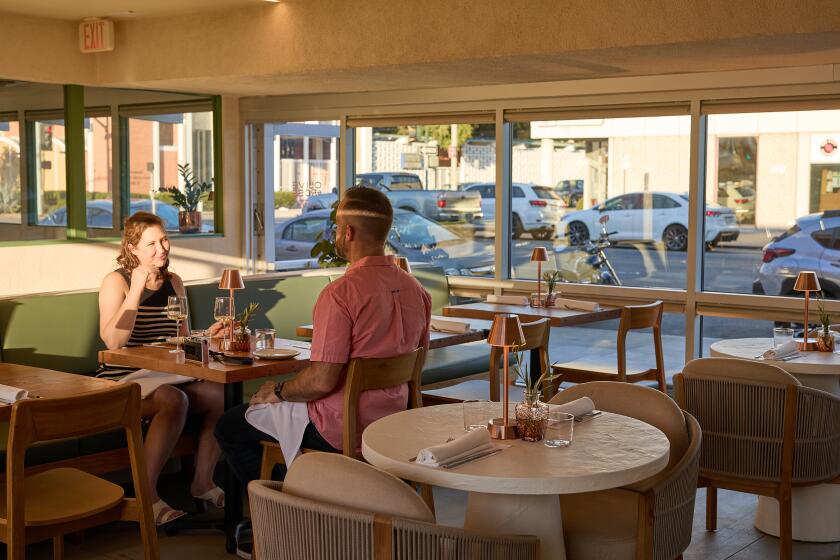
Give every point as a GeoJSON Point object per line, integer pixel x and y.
{"type": "Point", "coordinates": [141, 275]}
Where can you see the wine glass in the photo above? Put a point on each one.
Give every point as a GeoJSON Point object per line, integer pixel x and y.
{"type": "Point", "coordinates": [176, 310]}
{"type": "Point", "coordinates": [223, 312]}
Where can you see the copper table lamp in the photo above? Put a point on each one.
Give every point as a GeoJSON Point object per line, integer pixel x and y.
{"type": "Point", "coordinates": [807, 282]}
{"type": "Point", "coordinates": [505, 333]}
{"type": "Point", "coordinates": [231, 280]}
{"type": "Point", "coordinates": [539, 255]}
{"type": "Point", "coordinates": [402, 262]}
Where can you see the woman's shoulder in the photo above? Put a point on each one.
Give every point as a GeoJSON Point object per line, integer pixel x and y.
{"type": "Point", "coordinates": [176, 281]}
{"type": "Point", "coordinates": [115, 278]}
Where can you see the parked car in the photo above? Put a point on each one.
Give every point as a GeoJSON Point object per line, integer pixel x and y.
{"type": "Point", "coordinates": [412, 236]}
{"type": "Point", "coordinates": [100, 214]}
{"type": "Point", "coordinates": [812, 243]}
{"type": "Point", "coordinates": [405, 191]}
{"type": "Point", "coordinates": [740, 198]}
{"type": "Point", "coordinates": [649, 217]}
{"type": "Point", "coordinates": [535, 209]}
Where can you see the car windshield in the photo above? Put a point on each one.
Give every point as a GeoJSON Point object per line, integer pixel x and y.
{"type": "Point", "coordinates": [414, 232]}
{"type": "Point", "coordinates": [787, 233]}
{"type": "Point", "coordinates": [547, 192]}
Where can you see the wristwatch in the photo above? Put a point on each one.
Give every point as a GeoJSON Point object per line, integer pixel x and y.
{"type": "Point", "coordinates": [278, 391]}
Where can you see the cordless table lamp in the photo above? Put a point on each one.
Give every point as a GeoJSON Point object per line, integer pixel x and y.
{"type": "Point", "coordinates": [506, 333]}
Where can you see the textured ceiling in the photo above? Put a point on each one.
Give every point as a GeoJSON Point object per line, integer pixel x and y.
{"type": "Point", "coordinates": [116, 9]}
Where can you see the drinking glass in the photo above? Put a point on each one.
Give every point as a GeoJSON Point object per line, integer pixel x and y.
{"type": "Point", "coordinates": [176, 310]}
{"type": "Point", "coordinates": [781, 335]}
{"type": "Point", "coordinates": [559, 429]}
{"type": "Point", "coordinates": [477, 414]}
{"type": "Point", "coordinates": [265, 338]}
{"type": "Point", "coordinates": [223, 313]}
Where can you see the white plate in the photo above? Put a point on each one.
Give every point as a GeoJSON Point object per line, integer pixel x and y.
{"type": "Point", "coordinates": [275, 353]}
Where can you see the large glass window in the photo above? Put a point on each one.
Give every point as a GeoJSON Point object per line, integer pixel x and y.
{"type": "Point", "coordinates": [157, 146]}
{"type": "Point", "coordinates": [772, 201]}
{"type": "Point", "coordinates": [50, 201]}
{"type": "Point", "coordinates": [10, 191]}
{"type": "Point", "coordinates": [575, 180]}
{"type": "Point", "coordinates": [99, 192]}
{"type": "Point", "coordinates": [440, 179]}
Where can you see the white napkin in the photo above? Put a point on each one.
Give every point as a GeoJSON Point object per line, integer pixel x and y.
{"type": "Point", "coordinates": [150, 380]}
{"type": "Point", "coordinates": [577, 407]}
{"type": "Point", "coordinates": [785, 350]}
{"type": "Point", "coordinates": [9, 394]}
{"type": "Point", "coordinates": [510, 300]}
{"type": "Point", "coordinates": [284, 421]}
{"type": "Point", "coordinates": [446, 325]}
{"type": "Point", "coordinates": [472, 442]}
{"type": "Point", "coordinates": [576, 305]}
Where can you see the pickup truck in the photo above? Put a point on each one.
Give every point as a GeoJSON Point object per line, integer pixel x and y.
{"type": "Point", "coordinates": [406, 192]}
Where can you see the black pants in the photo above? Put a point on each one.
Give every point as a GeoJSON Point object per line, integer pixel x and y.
{"type": "Point", "coordinates": [240, 443]}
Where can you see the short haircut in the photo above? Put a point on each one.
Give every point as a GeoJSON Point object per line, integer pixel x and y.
{"type": "Point", "coordinates": [369, 211]}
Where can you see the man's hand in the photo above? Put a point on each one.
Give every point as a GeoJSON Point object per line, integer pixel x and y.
{"type": "Point", "coordinates": [265, 395]}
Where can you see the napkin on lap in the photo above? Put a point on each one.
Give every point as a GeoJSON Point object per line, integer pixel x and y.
{"type": "Point", "coordinates": [509, 300]}
{"type": "Point", "coordinates": [576, 305]}
{"type": "Point", "coordinates": [576, 408]}
{"type": "Point", "coordinates": [442, 324]}
{"type": "Point", "coordinates": [11, 395]}
{"type": "Point", "coordinates": [468, 444]}
{"type": "Point", "coordinates": [787, 349]}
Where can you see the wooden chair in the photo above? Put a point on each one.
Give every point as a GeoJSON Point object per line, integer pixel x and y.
{"type": "Point", "coordinates": [634, 317]}
{"type": "Point", "coordinates": [59, 501]}
{"type": "Point", "coordinates": [649, 519]}
{"type": "Point", "coordinates": [333, 507]}
{"type": "Point", "coordinates": [536, 338]}
{"type": "Point", "coordinates": [763, 433]}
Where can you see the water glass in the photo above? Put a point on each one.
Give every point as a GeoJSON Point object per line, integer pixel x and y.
{"type": "Point", "coordinates": [782, 335]}
{"type": "Point", "coordinates": [477, 414]}
{"type": "Point", "coordinates": [265, 338]}
{"type": "Point", "coordinates": [177, 310]}
{"type": "Point", "coordinates": [559, 429]}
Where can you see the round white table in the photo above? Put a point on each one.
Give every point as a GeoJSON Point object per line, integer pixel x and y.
{"type": "Point", "coordinates": [816, 509]}
{"type": "Point", "coordinates": [516, 491]}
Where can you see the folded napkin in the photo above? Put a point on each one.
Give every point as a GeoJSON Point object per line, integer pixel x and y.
{"type": "Point", "coordinates": [576, 305]}
{"type": "Point", "coordinates": [11, 395]}
{"type": "Point", "coordinates": [442, 324]}
{"type": "Point", "coordinates": [576, 408]}
{"type": "Point", "coordinates": [284, 421]}
{"type": "Point", "coordinates": [150, 380]}
{"type": "Point", "coordinates": [784, 351]}
{"type": "Point", "coordinates": [472, 442]}
{"type": "Point", "coordinates": [510, 300]}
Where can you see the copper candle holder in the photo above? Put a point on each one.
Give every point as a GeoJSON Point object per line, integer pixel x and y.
{"type": "Point", "coordinates": [505, 333]}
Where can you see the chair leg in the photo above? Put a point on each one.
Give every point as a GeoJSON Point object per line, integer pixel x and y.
{"type": "Point", "coordinates": [428, 496]}
{"type": "Point", "coordinates": [711, 508]}
{"type": "Point", "coordinates": [785, 528]}
{"type": "Point", "coordinates": [272, 456]}
{"type": "Point", "coordinates": [660, 377]}
{"type": "Point", "coordinates": [58, 547]}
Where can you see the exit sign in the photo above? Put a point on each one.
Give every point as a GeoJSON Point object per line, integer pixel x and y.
{"type": "Point", "coordinates": [96, 35]}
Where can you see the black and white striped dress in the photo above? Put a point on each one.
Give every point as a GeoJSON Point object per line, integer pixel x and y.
{"type": "Point", "coordinates": [151, 324]}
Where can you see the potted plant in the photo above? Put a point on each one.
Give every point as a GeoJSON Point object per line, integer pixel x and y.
{"type": "Point", "coordinates": [324, 248]}
{"type": "Point", "coordinates": [531, 413]}
{"type": "Point", "coordinates": [189, 218]}
{"type": "Point", "coordinates": [241, 341]}
{"type": "Point", "coordinates": [825, 339]}
{"type": "Point", "coordinates": [551, 277]}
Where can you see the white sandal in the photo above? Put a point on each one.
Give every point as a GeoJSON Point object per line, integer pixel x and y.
{"type": "Point", "coordinates": [215, 496]}
{"type": "Point", "coordinates": [164, 513]}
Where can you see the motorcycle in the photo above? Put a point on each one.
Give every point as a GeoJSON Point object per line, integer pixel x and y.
{"type": "Point", "coordinates": [588, 263]}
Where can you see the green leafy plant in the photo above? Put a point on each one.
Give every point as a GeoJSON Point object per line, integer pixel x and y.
{"type": "Point", "coordinates": [522, 368]}
{"type": "Point", "coordinates": [245, 317]}
{"type": "Point", "coordinates": [285, 199]}
{"type": "Point", "coordinates": [825, 318]}
{"type": "Point", "coordinates": [188, 198]}
{"type": "Point", "coordinates": [324, 248]}
{"type": "Point", "coordinates": [551, 277]}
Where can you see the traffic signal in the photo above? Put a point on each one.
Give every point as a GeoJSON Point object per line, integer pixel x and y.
{"type": "Point", "coordinates": [46, 138]}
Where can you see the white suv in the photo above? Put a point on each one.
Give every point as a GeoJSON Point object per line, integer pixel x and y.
{"type": "Point", "coordinates": [535, 209]}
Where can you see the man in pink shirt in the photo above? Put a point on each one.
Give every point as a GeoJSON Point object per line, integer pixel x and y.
{"type": "Point", "coordinates": [376, 310]}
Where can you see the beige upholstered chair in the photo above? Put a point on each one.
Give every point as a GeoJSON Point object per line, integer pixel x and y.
{"type": "Point", "coordinates": [763, 433]}
{"type": "Point", "coordinates": [536, 338]}
{"type": "Point", "coordinates": [650, 519]}
{"type": "Point", "coordinates": [614, 367]}
{"type": "Point", "coordinates": [331, 506]}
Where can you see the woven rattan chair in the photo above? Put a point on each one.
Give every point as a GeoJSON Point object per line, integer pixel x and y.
{"type": "Point", "coordinates": [536, 338]}
{"type": "Point", "coordinates": [763, 433]}
{"type": "Point", "coordinates": [332, 506]}
{"type": "Point", "coordinates": [611, 367]}
{"type": "Point", "coordinates": [651, 519]}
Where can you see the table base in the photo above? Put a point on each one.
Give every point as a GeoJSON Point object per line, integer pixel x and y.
{"type": "Point", "coordinates": [521, 515]}
{"type": "Point", "coordinates": [808, 525]}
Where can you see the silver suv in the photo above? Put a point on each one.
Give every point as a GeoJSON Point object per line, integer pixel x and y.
{"type": "Point", "coordinates": [813, 243]}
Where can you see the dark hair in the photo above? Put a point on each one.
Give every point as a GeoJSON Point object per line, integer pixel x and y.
{"type": "Point", "coordinates": [135, 225]}
{"type": "Point", "coordinates": [377, 217]}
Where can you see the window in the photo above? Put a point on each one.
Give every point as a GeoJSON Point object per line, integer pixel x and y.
{"type": "Point", "coordinates": [10, 192]}
{"type": "Point", "coordinates": [518, 192]}
{"type": "Point", "coordinates": [771, 201]}
{"type": "Point", "coordinates": [99, 191]}
{"type": "Point", "coordinates": [48, 172]}
{"type": "Point", "coordinates": [305, 230]}
{"type": "Point", "coordinates": [662, 202]}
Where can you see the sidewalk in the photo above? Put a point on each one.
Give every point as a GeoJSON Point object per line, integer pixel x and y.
{"type": "Point", "coordinates": [753, 238]}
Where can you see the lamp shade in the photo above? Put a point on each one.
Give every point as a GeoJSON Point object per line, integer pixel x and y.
{"type": "Point", "coordinates": [506, 331]}
{"type": "Point", "coordinates": [539, 254]}
{"type": "Point", "coordinates": [231, 280]}
{"type": "Point", "coordinates": [807, 282]}
{"type": "Point", "coordinates": [402, 262]}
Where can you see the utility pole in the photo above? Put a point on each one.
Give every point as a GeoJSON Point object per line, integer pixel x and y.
{"type": "Point", "coordinates": [453, 157]}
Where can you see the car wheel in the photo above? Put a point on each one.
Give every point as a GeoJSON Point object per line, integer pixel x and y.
{"type": "Point", "coordinates": [578, 233]}
{"type": "Point", "coordinates": [518, 228]}
{"type": "Point", "coordinates": [675, 238]}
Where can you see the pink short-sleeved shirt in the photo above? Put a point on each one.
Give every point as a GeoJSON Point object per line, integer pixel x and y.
{"type": "Point", "coordinates": [376, 310]}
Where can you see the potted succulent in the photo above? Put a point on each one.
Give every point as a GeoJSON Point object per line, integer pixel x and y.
{"type": "Point", "coordinates": [241, 341]}
{"type": "Point", "coordinates": [189, 218]}
{"type": "Point", "coordinates": [825, 338]}
{"type": "Point", "coordinates": [531, 413]}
